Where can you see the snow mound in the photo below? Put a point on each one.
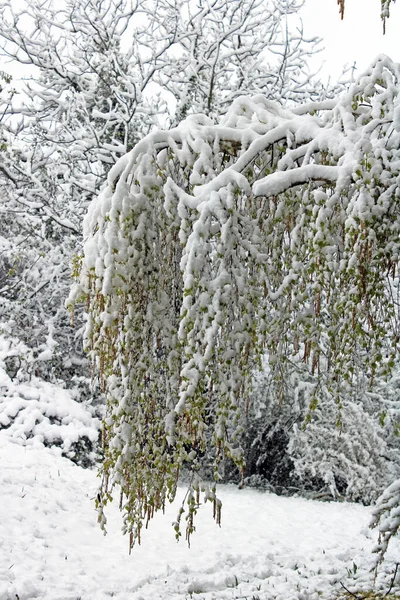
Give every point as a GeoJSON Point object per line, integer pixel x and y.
{"type": "Point", "coordinates": [37, 413]}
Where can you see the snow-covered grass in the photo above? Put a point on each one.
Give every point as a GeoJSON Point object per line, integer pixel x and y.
{"type": "Point", "coordinates": [268, 547]}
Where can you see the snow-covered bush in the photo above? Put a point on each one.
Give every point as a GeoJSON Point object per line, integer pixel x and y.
{"type": "Point", "coordinates": [386, 398]}
{"type": "Point", "coordinates": [274, 231]}
{"type": "Point", "coordinates": [351, 453]}
{"type": "Point", "coordinates": [348, 457]}
{"type": "Point", "coordinates": [36, 412]}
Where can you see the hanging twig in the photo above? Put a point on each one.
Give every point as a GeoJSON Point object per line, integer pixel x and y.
{"type": "Point", "coordinates": [351, 593]}
{"type": "Point", "coordinates": [393, 580]}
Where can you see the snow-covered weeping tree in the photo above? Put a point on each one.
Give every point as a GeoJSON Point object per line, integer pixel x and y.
{"type": "Point", "coordinates": [273, 231]}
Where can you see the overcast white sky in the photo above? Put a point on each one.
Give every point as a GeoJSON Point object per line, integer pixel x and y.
{"type": "Point", "coordinates": [357, 38]}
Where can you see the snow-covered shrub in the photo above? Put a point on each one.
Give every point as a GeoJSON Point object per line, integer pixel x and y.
{"type": "Point", "coordinates": [35, 412]}
{"type": "Point", "coordinates": [384, 402]}
{"type": "Point", "coordinates": [332, 452]}
{"type": "Point", "coordinates": [347, 456]}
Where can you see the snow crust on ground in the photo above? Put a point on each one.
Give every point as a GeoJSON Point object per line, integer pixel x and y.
{"type": "Point", "coordinates": [268, 547]}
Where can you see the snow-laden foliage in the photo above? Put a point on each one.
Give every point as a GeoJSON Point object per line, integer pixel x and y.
{"type": "Point", "coordinates": [36, 412]}
{"type": "Point", "coordinates": [93, 94]}
{"type": "Point", "coordinates": [274, 231]}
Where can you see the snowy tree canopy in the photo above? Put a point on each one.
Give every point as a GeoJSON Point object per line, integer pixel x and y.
{"type": "Point", "coordinates": [275, 230]}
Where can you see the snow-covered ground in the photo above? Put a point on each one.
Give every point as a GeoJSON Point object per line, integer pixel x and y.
{"type": "Point", "coordinates": [268, 547]}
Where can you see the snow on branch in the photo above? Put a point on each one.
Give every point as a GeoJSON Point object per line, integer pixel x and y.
{"type": "Point", "coordinates": [272, 231]}
{"type": "Point", "coordinates": [386, 518]}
